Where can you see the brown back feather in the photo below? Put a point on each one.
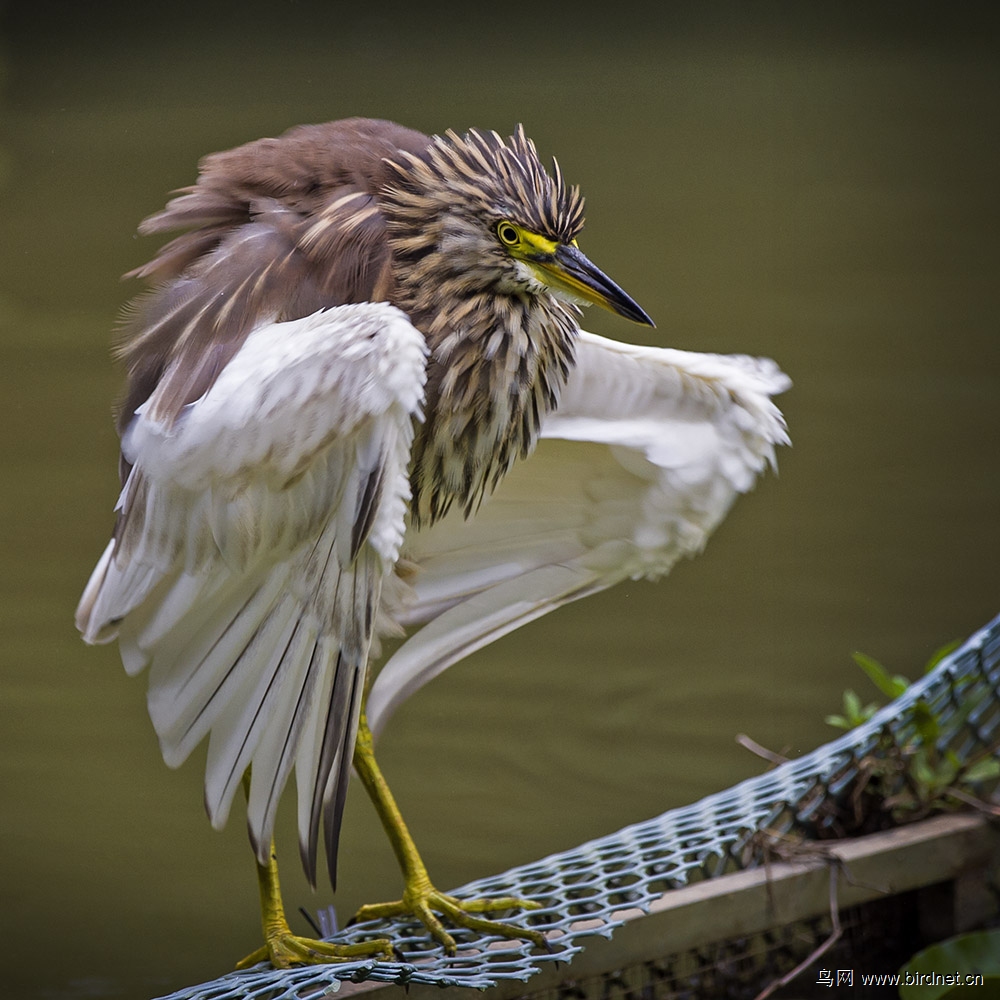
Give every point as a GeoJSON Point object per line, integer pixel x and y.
{"type": "Point", "coordinates": [279, 228]}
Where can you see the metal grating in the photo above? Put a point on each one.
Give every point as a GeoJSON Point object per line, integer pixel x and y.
{"type": "Point", "coordinates": [881, 933]}
{"type": "Point", "coordinates": [581, 890]}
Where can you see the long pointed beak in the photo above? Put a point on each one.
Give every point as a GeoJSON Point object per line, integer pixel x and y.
{"type": "Point", "coordinates": [568, 270]}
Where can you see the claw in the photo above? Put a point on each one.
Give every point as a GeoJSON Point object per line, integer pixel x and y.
{"type": "Point", "coordinates": [422, 901]}
{"type": "Point", "coordinates": [285, 950]}
{"type": "Point", "coordinates": [420, 898]}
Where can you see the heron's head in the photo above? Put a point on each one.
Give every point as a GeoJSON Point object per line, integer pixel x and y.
{"type": "Point", "coordinates": [483, 214]}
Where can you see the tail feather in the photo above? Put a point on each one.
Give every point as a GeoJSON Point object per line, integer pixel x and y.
{"type": "Point", "coordinates": [265, 682]}
{"type": "Point", "coordinates": [324, 762]}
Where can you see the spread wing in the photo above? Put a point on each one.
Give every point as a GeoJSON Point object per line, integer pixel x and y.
{"type": "Point", "coordinates": [639, 464]}
{"type": "Point", "coordinates": [256, 529]}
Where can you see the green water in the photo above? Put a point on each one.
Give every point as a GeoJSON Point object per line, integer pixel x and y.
{"type": "Point", "coordinates": [825, 194]}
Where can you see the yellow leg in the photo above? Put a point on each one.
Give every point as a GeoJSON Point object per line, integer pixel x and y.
{"type": "Point", "coordinates": [284, 949]}
{"type": "Point", "coordinates": [420, 898]}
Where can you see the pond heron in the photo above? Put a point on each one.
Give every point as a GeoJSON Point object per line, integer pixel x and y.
{"type": "Point", "coordinates": [359, 405]}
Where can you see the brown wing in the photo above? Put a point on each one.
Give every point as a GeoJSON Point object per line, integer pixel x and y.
{"type": "Point", "coordinates": [277, 229]}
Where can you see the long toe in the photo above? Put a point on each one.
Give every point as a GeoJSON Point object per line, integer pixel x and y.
{"type": "Point", "coordinates": [285, 950]}
{"type": "Point", "coordinates": [426, 902]}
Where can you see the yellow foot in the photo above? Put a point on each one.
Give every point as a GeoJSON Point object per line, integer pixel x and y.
{"type": "Point", "coordinates": [285, 949]}
{"type": "Point", "coordinates": [421, 901]}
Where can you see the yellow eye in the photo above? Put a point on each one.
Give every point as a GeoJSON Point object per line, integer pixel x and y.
{"type": "Point", "coordinates": [508, 235]}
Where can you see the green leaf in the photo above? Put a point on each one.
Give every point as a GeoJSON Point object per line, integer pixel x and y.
{"type": "Point", "coordinates": [852, 704]}
{"type": "Point", "coordinates": [953, 759]}
{"type": "Point", "coordinates": [939, 654]}
{"type": "Point", "coordinates": [923, 773]}
{"type": "Point", "coordinates": [927, 723]}
{"type": "Point", "coordinates": [957, 957]}
{"type": "Point", "coordinates": [891, 686]}
{"type": "Point", "coordinates": [982, 770]}
{"type": "Point", "coordinates": [854, 713]}
{"type": "Point", "coordinates": [948, 768]}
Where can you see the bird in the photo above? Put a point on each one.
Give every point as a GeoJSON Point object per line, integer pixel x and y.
{"type": "Point", "coordinates": [358, 405]}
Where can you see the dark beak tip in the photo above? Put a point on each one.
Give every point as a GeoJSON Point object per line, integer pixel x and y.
{"type": "Point", "coordinates": [576, 264]}
{"type": "Point", "coordinates": [637, 314]}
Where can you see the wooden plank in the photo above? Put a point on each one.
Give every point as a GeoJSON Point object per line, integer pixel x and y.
{"type": "Point", "coordinates": [909, 857]}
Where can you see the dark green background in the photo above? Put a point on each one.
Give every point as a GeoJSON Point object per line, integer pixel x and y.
{"type": "Point", "coordinates": [817, 183]}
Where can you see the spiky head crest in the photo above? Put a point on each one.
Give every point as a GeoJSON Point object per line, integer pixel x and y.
{"type": "Point", "coordinates": [512, 181]}
{"type": "Point", "coordinates": [483, 176]}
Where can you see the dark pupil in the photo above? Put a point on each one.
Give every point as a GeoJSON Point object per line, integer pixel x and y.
{"type": "Point", "coordinates": [508, 234]}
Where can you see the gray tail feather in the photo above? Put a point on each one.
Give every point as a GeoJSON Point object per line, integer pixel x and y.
{"type": "Point", "coordinates": [333, 773]}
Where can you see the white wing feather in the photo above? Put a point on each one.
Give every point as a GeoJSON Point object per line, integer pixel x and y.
{"type": "Point", "coordinates": [255, 533]}
{"type": "Point", "coordinates": [238, 575]}
{"type": "Point", "coordinates": [639, 464]}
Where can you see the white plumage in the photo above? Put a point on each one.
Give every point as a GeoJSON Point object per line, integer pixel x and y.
{"type": "Point", "coordinates": [640, 463]}
{"type": "Point", "coordinates": [241, 578]}
{"type": "Point", "coordinates": [248, 569]}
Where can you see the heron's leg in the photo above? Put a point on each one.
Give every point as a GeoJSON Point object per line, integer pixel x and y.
{"type": "Point", "coordinates": [284, 949]}
{"type": "Point", "coordinates": [420, 898]}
